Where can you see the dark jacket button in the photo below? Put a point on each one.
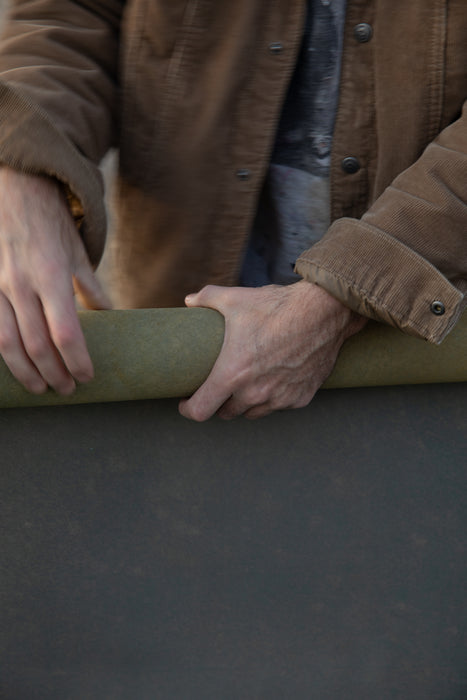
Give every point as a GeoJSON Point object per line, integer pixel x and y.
{"type": "Point", "coordinates": [438, 308]}
{"type": "Point", "coordinates": [276, 48]}
{"type": "Point", "coordinates": [243, 174]}
{"type": "Point", "coordinates": [363, 32]}
{"type": "Point", "coordinates": [350, 165]}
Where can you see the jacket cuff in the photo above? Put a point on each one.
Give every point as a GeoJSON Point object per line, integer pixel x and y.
{"type": "Point", "coordinates": [30, 143]}
{"type": "Point", "coordinates": [381, 278]}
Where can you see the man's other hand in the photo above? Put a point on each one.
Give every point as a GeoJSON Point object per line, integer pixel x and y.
{"type": "Point", "coordinates": [280, 345]}
{"type": "Point", "coordinates": [42, 263]}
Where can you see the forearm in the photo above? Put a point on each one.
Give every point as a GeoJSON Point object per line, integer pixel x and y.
{"type": "Point", "coordinates": [58, 92]}
{"type": "Point", "coordinates": [409, 250]}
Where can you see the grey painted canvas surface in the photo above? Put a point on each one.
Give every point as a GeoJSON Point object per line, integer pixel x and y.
{"type": "Point", "coordinates": [318, 553]}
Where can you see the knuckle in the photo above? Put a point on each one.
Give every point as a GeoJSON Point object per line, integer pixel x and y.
{"type": "Point", "coordinates": [13, 281]}
{"type": "Point", "coordinates": [50, 262]}
{"type": "Point", "coordinates": [37, 347]}
{"type": "Point", "coordinates": [65, 337]}
{"type": "Point", "coordinates": [50, 272]}
{"type": "Point", "coordinates": [8, 339]}
{"type": "Point", "coordinates": [256, 395]}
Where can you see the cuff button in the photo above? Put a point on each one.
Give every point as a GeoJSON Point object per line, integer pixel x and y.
{"type": "Point", "coordinates": [437, 308]}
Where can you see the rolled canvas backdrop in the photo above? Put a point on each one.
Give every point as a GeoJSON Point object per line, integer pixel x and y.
{"type": "Point", "coordinates": [164, 353]}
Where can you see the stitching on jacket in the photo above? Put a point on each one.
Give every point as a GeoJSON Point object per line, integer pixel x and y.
{"type": "Point", "coordinates": [378, 305]}
{"type": "Point", "coordinates": [437, 68]}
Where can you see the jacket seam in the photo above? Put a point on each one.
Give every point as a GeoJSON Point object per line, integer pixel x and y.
{"type": "Point", "coordinates": [368, 296]}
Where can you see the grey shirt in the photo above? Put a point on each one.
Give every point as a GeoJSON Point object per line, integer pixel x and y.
{"type": "Point", "coordinates": [293, 211]}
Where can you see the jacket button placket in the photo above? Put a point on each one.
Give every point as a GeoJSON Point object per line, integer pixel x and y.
{"type": "Point", "coordinates": [275, 48]}
{"type": "Point", "coordinates": [363, 32]}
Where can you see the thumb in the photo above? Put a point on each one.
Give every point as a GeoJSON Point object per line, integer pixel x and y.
{"type": "Point", "coordinates": [211, 296]}
{"type": "Point", "coordinates": [86, 286]}
{"type": "Point", "coordinates": [88, 289]}
{"type": "Point", "coordinates": [194, 299]}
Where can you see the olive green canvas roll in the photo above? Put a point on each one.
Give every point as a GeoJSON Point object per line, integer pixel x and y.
{"type": "Point", "coordinates": [141, 354]}
{"type": "Point", "coordinates": [163, 353]}
{"type": "Point", "coordinates": [381, 355]}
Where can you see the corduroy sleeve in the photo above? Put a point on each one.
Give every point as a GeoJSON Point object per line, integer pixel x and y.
{"type": "Point", "coordinates": [405, 262]}
{"type": "Point", "coordinates": [58, 93]}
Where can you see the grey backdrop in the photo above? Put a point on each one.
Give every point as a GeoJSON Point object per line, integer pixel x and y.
{"type": "Point", "coordinates": [319, 553]}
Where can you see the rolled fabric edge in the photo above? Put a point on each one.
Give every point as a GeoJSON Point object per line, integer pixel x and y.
{"type": "Point", "coordinates": [168, 353]}
{"type": "Point", "coordinates": [137, 354]}
{"type": "Point", "coordinates": [381, 355]}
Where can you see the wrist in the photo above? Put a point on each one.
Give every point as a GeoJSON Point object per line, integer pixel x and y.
{"type": "Point", "coordinates": [344, 318]}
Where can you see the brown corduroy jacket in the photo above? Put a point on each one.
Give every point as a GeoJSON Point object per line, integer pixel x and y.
{"type": "Point", "coordinates": [191, 91]}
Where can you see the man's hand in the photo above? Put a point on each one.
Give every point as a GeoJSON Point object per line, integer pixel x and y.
{"type": "Point", "coordinates": [42, 261]}
{"type": "Point", "coordinates": [280, 344]}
